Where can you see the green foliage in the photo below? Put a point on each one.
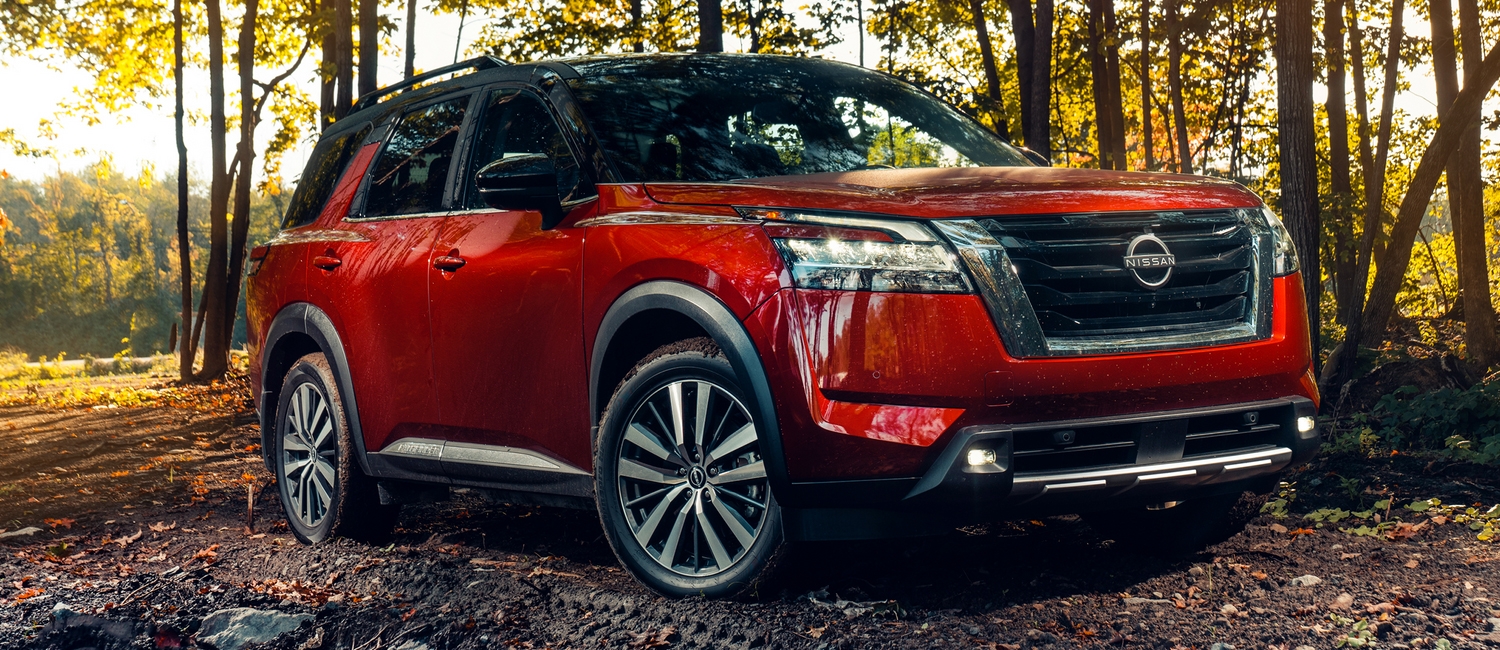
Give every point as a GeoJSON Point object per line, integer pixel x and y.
{"type": "Point", "coordinates": [1463, 424]}
{"type": "Point", "coordinates": [88, 264]}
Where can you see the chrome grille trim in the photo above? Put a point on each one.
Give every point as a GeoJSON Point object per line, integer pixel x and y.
{"type": "Point", "coordinates": [1243, 316]}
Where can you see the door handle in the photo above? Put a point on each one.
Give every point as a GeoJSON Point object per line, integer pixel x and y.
{"type": "Point", "coordinates": [449, 263]}
{"type": "Point", "coordinates": [327, 262]}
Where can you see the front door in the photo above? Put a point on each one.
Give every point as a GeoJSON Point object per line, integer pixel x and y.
{"type": "Point", "coordinates": [370, 273]}
{"type": "Point", "coordinates": [507, 324]}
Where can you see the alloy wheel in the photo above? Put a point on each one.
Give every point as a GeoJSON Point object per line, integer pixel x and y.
{"type": "Point", "coordinates": [309, 450]}
{"type": "Point", "coordinates": [692, 480]}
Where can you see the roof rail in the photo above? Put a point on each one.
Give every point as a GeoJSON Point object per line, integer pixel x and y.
{"type": "Point", "coordinates": [476, 63]}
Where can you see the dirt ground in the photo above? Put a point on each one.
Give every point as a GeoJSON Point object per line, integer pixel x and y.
{"type": "Point", "coordinates": [143, 518]}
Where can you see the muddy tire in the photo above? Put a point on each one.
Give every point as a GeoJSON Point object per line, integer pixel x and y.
{"type": "Point", "coordinates": [679, 478]}
{"type": "Point", "coordinates": [1180, 530]}
{"type": "Point", "coordinates": [323, 492]}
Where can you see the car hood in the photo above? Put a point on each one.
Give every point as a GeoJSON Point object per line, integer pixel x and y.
{"type": "Point", "coordinates": [967, 192]}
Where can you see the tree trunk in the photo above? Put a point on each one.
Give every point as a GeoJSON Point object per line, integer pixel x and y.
{"type": "Point", "coordinates": [1338, 153]}
{"type": "Point", "coordinates": [189, 348]}
{"type": "Point", "coordinates": [1296, 126]}
{"type": "Point", "coordinates": [1473, 268]}
{"type": "Point", "coordinates": [369, 46]}
{"type": "Point", "coordinates": [1099, 75]}
{"type": "Point", "coordinates": [1112, 78]}
{"type": "Point", "coordinates": [1452, 125]}
{"type": "Point", "coordinates": [1174, 83]}
{"type": "Point", "coordinates": [1022, 25]}
{"type": "Point", "coordinates": [636, 12]}
{"type": "Point", "coordinates": [411, 39]}
{"type": "Point", "coordinates": [1344, 359]}
{"type": "Point", "coordinates": [1039, 139]}
{"type": "Point", "coordinates": [215, 352]}
{"type": "Point", "coordinates": [344, 56]}
{"type": "Point", "coordinates": [710, 26]}
{"type": "Point", "coordinates": [328, 73]}
{"type": "Point", "coordinates": [246, 157]}
{"type": "Point", "coordinates": [987, 60]}
{"type": "Point", "coordinates": [1147, 137]}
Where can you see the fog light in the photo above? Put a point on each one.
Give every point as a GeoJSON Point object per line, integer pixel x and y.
{"type": "Point", "coordinates": [1304, 424]}
{"type": "Point", "coordinates": [979, 457]}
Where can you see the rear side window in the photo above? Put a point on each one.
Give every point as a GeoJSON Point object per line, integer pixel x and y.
{"type": "Point", "coordinates": [412, 172]}
{"type": "Point", "coordinates": [323, 169]}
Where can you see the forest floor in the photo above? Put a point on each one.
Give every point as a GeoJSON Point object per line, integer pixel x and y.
{"type": "Point", "coordinates": [143, 531]}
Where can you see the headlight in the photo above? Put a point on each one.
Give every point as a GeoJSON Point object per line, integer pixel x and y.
{"type": "Point", "coordinates": [1284, 251]}
{"type": "Point", "coordinates": [859, 254]}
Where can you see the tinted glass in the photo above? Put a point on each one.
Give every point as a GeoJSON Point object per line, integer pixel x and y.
{"type": "Point", "coordinates": [519, 123]}
{"type": "Point", "coordinates": [412, 171]}
{"type": "Point", "coordinates": [725, 118]}
{"type": "Point", "coordinates": [323, 170]}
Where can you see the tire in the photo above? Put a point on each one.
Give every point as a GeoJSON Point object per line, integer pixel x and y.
{"type": "Point", "coordinates": [1182, 529]}
{"type": "Point", "coordinates": [323, 494]}
{"type": "Point", "coordinates": [689, 518]}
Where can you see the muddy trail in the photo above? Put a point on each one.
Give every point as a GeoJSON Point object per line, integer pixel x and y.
{"type": "Point", "coordinates": [139, 539]}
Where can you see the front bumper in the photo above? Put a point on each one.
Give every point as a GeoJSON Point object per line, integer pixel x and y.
{"type": "Point", "coordinates": [1167, 456]}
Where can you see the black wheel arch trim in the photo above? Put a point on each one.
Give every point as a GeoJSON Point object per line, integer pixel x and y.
{"type": "Point", "coordinates": [709, 313]}
{"type": "Point", "coordinates": [305, 318]}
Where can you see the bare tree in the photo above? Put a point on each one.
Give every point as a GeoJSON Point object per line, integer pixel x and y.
{"type": "Point", "coordinates": [1469, 227]}
{"type": "Point", "coordinates": [1174, 85]}
{"type": "Point", "coordinates": [710, 26]}
{"type": "Point", "coordinates": [1147, 139]}
{"type": "Point", "coordinates": [1296, 124]}
{"type": "Point", "coordinates": [369, 45]}
{"type": "Point", "coordinates": [1338, 153]}
{"type": "Point", "coordinates": [987, 57]}
{"type": "Point", "coordinates": [189, 344]}
{"type": "Point", "coordinates": [411, 39]}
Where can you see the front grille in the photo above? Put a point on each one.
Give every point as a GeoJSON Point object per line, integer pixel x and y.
{"type": "Point", "coordinates": [1073, 270]}
{"type": "Point", "coordinates": [1059, 285]}
{"type": "Point", "coordinates": [1087, 445]}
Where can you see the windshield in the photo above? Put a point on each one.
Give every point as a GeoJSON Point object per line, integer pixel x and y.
{"type": "Point", "coordinates": [719, 118]}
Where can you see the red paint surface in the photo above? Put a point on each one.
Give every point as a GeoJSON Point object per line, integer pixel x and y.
{"type": "Point", "coordinates": [980, 191]}
{"type": "Point", "coordinates": [507, 334]}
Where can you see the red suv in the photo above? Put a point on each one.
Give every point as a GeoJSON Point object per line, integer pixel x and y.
{"type": "Point", "coordinates": [733, 302]}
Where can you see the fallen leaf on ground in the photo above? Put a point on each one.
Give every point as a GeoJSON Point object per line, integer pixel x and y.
{"type": "Point", "coordinates": [59, 523]}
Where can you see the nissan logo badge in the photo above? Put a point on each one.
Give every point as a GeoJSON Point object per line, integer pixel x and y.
{"type": "Point", "coordinates": [1149, 261]}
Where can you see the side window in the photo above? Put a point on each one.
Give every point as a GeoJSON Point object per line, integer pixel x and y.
{"type": "Point", "coordinates": [323, 170]}
{"type": "Point", "coordinates": [519, 123]}
{"type": "Point", "coordinates": [412, 171]}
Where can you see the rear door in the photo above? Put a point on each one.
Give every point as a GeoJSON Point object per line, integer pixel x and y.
{"type": "Point", "coordinates": [507, 326]}
{"type": "Point", "coordinates": [371, 274]}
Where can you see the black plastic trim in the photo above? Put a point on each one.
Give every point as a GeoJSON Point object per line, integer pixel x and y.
{"type": "Point", "coordinates": [724, 328]}
{"type": "Point", "coordinates": [307, 319]}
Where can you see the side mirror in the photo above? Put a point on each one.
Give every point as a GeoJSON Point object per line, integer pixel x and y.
{"type": "Point", "coordinates": [521, 182]}
{"type": "Point", "coordinates": [1035, 157]}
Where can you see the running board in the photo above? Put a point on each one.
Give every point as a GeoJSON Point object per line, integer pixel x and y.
{"type": "Point", "coordinates": [495, 467]}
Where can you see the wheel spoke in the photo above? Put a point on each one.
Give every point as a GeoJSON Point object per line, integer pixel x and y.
{"type": "Point", "coordinates": [674, 394]}
{"type": "Point", "coordinates": [723, 491]}
{"type": "Point", "coordinates": [322, 424]}
{"type": "Point", "coordinates": [754, 470]}
{"type": "Point", "coordinates": [653, 520]}
{"type": "Point", "coordinates": [294, 444]}
{"type": "Point", "coordinates": [704, 390]}
{"type": "Point", "coordinates": [735, 442]}
{"type": "Point", "coordinates": [721, 556]}
{"type": "Point", "coordinates": [294, 468]}
{"type": "Point", "coordinates": [326, 472]}
{"type": "Point", "coordinates": [646, 497]}
{"type": "Point", "coordinates": [640, 437]}
{"type": "Point", "coordinates": [640, 472]}
{"type": "Point", "coordinates": [674, 537]}
{"type": "Point", "coordinates": [741, 529]}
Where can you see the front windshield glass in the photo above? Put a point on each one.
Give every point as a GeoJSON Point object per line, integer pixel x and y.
{"type": "Point", "coordinates": [720, 118]}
